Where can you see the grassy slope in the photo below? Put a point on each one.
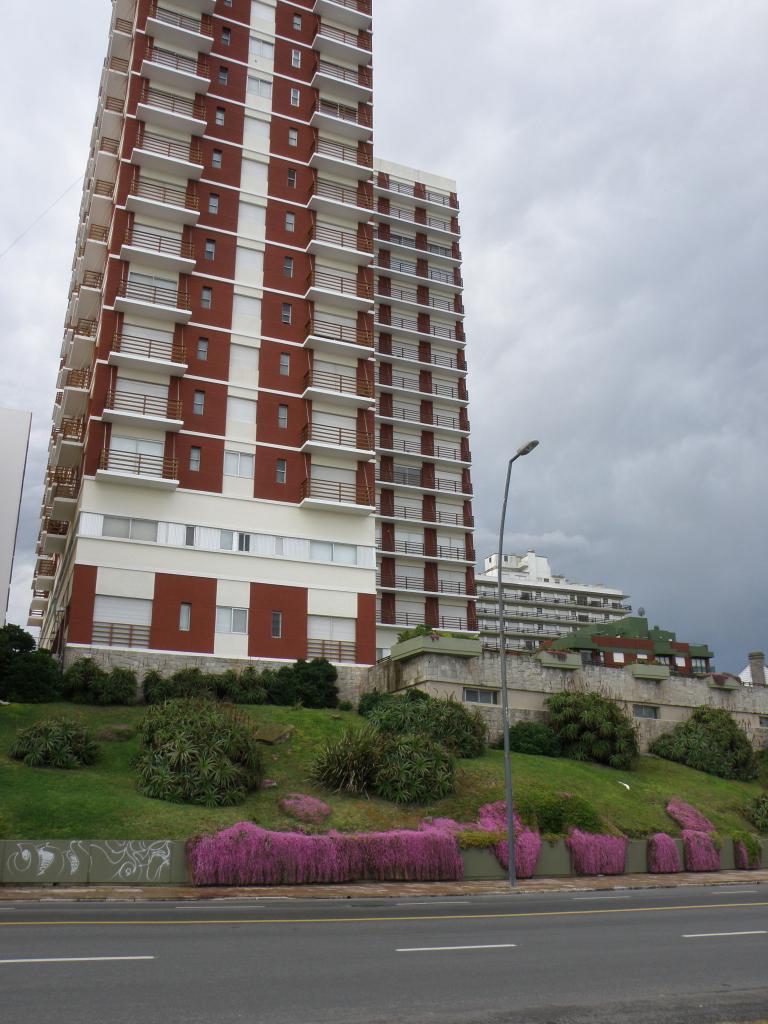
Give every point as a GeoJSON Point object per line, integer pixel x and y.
{"type": "Point", "coordinates": [101, 802]}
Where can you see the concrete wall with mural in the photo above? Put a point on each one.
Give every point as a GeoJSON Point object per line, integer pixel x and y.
{"type": "Point", "coordinates": [92, 862]}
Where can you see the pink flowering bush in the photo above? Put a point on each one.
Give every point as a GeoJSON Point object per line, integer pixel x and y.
{"type": "Point", "coordinates": [493, 818]}
{"type": "Point", "coordinates": [596, 854]}
{"type": "Point", "coordinates": [688, 817]}
{"type": "Point", "coordinates": [700, 851]}
{"type": "Point", "coordinates": [663, 854]}
{"type": "Point", "coordinates": [305, 808]}
{"type": "Point", "coordinates": [746, 855]}
{"type": "Point", "coordinates": [245, 854]}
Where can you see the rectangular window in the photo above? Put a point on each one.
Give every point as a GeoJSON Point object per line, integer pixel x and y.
{"type": "Point", "coordinates": [618, 657]}
{"type": "Point", "coordinates": [226, 36]}
{"type": "Point", "coordinates": [295, 97]}
{"type": "Point", "coordinates": [281, 471]}
{"type": "Point", "coordinates": [764, 721]}
{"type": "Point", "coordinates": [210, 249]}
{"type": "Point", "coordinates": [223, 75]}
{"type": "Point", "coordinates": [185, 617]}
{"type": "Point", "coordinates": [474, 696]}
{"type": "Point", "coordinates": [282, 417]}
{"type": "Point", "coordinates": [194, 458]}
{"type": "Point", "coordinates": [260, 87]}
{"type": "Point", "coordinates": [293, 137]}
{"type": "Point", "coordinates": [242, 410]}
{"type": "Point", "coordinates": [189, 536]}
{"type": "Point", "coordinates": [144, 529]}
{"type": "Point", "coordinates": [285, 364]}
{"type": "Point", "coordinates": [295, 58]}
{"type": "Point", "coordinates": [261, 48]}
{"type": "Point", "coordinates": [226, 539]}
{"type": "Point", "coordinates": [206, 297]}
{"type": "Point", "coordinates": [243, 542]}
{"type": "Point", "coordinates": [116, 526]}
{"type": "Point", "coordinates": [680, 662]}
{"type": "Point", "coordinates": [699, 665]}
{"type": "Point", "coordinates": [290, 221]}
{"type": "Point", "coordinates": [285, 312]}
{"type": "Point", "coordinates": [644, 711]}
{"type": "Point", "coordinates": [297, 23]}
{"type": "Point", "coordinates": [213, 202]}
{"type": "Point", "coordinates": [277, 625]}
{"type": "Point", "coordinates": [231, 620]}
{"type": "Point", "coordinates": [288, 266]}
{"type": "Point", "coordinates": [198, 403]}
{"type": "Point", "coordinates": [219, 116]}
{"type": "Point", "coordinates": [216, 157]}
{"type": "Point", "coordinates": [291, 177]}
{"type": "Point", "coordinates": [202, 348]}
{"type": "Point", "coordinates": [238, 464]}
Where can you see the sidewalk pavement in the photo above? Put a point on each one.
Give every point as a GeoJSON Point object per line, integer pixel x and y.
{"type": "Point", "coordinates": [375, 890]}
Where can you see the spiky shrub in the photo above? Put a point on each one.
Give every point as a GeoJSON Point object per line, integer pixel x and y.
{"type": "Point", "coordinates": [197, 752]}
{"type": "Point", "coordinates": [349, 763]}
{"type": "Point", "coordinates": [187, 682]}
{"type": "Point", "coordinates": [596, 854]}
{"type": "Point", "coordinates": [248, 855]}
{"type": "Point", "coordinates": [687, 816]}
{"type": "Point", "coordinates": [414, 769]}
{"type": "Point", "coordinates": [757, 812]}
{"type": "Point", "coordinates": [747, 851]}
{"type": "Point", "coordinates": [85, 682]}
{"type": "Point", "coordinates": [699, 851]}
{"type": "Point", "coordinates": [533, 738]}
{"type": "Point", "coordinates": [663, 854]}
{"type": "Point", "coordinates": [557, 813]}
{"type": "Point", "coordinates": [462, 731]}
{"type": "Point", "coordinates": [369, 701]}
{"type": "Point", "coordinates": [591, 727]}
{"type": "Point", "coordinates": [709, 741]}
{"type": "Point", "coordinates": [309, 683]}
{"type": "Point", "coordinates": [55, 743]}
{"type": "Point", "coordinates": [243, 687]}
{"type": "Point", "coordinates": [305, 808]}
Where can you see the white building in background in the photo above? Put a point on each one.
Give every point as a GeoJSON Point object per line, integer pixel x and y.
{"type": "Point", "coordinates": [540, 604]}
{"type": "Point", "coordinates": [15, 426]}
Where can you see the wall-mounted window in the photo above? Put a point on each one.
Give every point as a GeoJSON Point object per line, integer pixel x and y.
{"type": "Point", "coordinates": [290, 221]}
{"type": "Point", "coordinates": [277, 625]}
{"type": "Point", "coordinates": [129, 529]}
{"type": "Point", "coordinates": [209, 250]}
{"type": "Point", "coordinates": [475, 696]}
{"type": "Point", "coordinates": [293, 137]}
{"type": "Point", "coordinates": [295, 58]}
{"type": "Point", "coordinates": [285, 364]}
{"type": "Point", "coordinates": [699, 665]}
{"type": "Point", "coordinates": [213, 202]}
{"type": "Point", "coordinates": [219, 116]}
{"type": "Point", "coordinates": [281, 471]}
{"type": "Point", "coordinates": [282, 417]}
{"type": "Point", "coordinates": [618, 657]}
{"type": "Point", "coordinates": [223, 76]}
{"type": "Point", "coordinates": [231, 620]}
{"type": "Point", "coordinates": [680, 662]}
{"type": "Point", "coordinates": [243, 542]}
{"type": "Point", "coordinates": [206, 297]}
{"type": "Point", "coordinates": [645, 711]}
{"type": "Point", "coordinates": [286, 312]}
{"type": "Point", "coordinates": [238, 464]}
{"type": "Point", "coordinates": [291, 178]}
{"type": "Point", "coordinates": [216, 158]}
{"type": "Point", "coordinates": [260, 87]}
{"type": "Point", "coordinates": [297, 23]}
{"type": "Point", "coordinates": [326, 551]}
{"type": "Point", "coordinates": [295, 97]}
{"type": "Point", "coordinates": [189, 536]}
{"type": "Point", "coordinates": [226, 36]}
{"type": "Point", "coordinates": [185, 617]}
{"type": "Point", "coordinates": [764, 721]}
{"type": "Point", "coordinates": [241, 410]}
{"type": "Point", "coordinates": [202, 349]}
{"type": "Point", "coordinates": [288, 266]}
{"type": "Point", "coordinates": [198, 403]}
{"type": "Point", "coordinates": [261, 48]}
{"type": "Point", "coordinates": [195, 454]}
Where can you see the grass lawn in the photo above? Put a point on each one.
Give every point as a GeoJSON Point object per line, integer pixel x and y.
{"type": "Point", "coordinates": [101, 802]}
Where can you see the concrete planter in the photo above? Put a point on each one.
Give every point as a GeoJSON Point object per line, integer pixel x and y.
{"type": "Point", "coordinates": [92, 862]}
{"type": "Point", "coordinates": [721, 681]}
{"type": "Point", "coordinates": [727, 861]}
{"type": "Point", "coordinates": [642, 670]}
{"type": "Point", "coordinates": [481, 864]}
{"type": "Point", "coordinates": [636, 862]}
{"type": "Point", "coordinates": [569, 661]}
{"type": "Point", "coordinates": [554, 860]}
{"type": "Point", "coordinates": [455, 646]}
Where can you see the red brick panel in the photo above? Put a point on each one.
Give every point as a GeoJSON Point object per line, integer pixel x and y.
{"type": "Point", "coordinates": [210, 475]}
{"type": "Point", "coordinates": [292, 602]}
{"type": "Point", "coordinates": [365, 636]}
{"type": "Point", "coordinates": [171, 592]}
{"type": "Point", "coordinates": [80, 618]}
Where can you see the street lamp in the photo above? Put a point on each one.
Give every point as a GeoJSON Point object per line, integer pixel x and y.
{"type": "Point", "coordinates": [525, 450]}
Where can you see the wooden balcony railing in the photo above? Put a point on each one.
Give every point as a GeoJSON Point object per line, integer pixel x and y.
{"type": "Point", "coordinates": [142, 405]}
{"type": "Point", "coordinates": [174, 298]}
{"type": "Point", "coordinates": [339, 437]}
{"type": "Point", "coordinates": [350, 114]}
{"type": "Point", "coordinates": [55, 527]}
{"type": "Point", "coordinates": [342, 239]}
{"type": "Point", "coordinates": [120, 634]}
{"type": "Point", "coordinates": [113, 104]}
{"type": "Point", "coordinates": [85, 328]}
{"type": "Point", "coordinates": [103, 188]}
{"type": "Point", "coordinates": [416, 619]}
{"type": "Point", "coordinates": [341, 284]}
{"type": "Point", "coordinates": [80, 379]}
{"type": "Point", "coordinates": [177, 62]}
{"type": "Point", "coordinates": [332, 490]}
{"type": "Point", "coordinates": [333, 650]}
{"type": "Point", "coordinates": [92, 279]}
{"type": "Point", "coordinates": [347, 154]}
{"type": "Point", "coordinates": [119, 64]}
{"type": "Point", "coordinates": [73, 429]}
{"type": "Point", "coordinates": [400, 582]}
{"type": "Point", "coordinates": [152, 242]}
{"type": "Point", "coordinates": [339, 383]}
{"type": "Point", "coordinates": [149, 348]}
{"type": "Point", "coordinates": [339, 332]}
{"type": "Point", "coordinates": [170, 101]}
{"type": "Point", "coordinates": [152, 142]}
{"type": "Point", "coordinates": [46, 567]}
{"type": "Point", "coordinates": [170, 195]}
{"type": "Point", "coordinates": [202, 26]}
{"type": "Point", "coordinates": [64, 475]}
{"type": "Point", "coordinates": [139, 465]}
{"type": "Point", "coordinates": [360, 40]}
{"type": "Point", "coordinates": [343, 194]}
{"type": "Point", "coordinates": [360, 78]}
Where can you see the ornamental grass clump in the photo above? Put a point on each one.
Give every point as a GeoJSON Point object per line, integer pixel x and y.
{"type": "Point", "coordinates": [414, 769]}
{"type": "Point", "coordinates": [305, 808]}
{"type": "Point", "coordinates": [595, 854]}
{"type": "Point", "coordinates": [699, 851]}
{"type": "Point", "coordinates": [54, 743]}
{"type": "Point", "coordinates": [687, 816]}
{"type": "Point", "coordinates": [590, 727]}
{"type": "Point", "coordinates": [349, 763]}
{"type": "Point", "coordinates": [663, 855]}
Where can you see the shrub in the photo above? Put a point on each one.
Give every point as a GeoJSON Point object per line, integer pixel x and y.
{"type": "Point", "coordinates": [85, 682]}
{"type": "Point", "coordinates": [187, 682]}
{"type": "Point", "coordinates": [55, 743]}
{"type": "Point", "coordinates": [687, 816]}
{"type": "Point", "coordinates": [557, 813]}
{"type": "Point", "coordinates": [493, 817]}
{"type": "Point", "coordinates": [533, 738]}
{"type": "Point", "coordinates": [747, 851]}
{"type": "Point", "coordinates": [462, 731]}
{"type": "Point", "coordinates": [196, 752]}
{"type": "Point", "coordinates": [349, 764]}
{"type": "Point", "coordinates": [414, 769]}
{"type": "Point", "coordinates": [757, 812]}
{"type": "Point", "coordinates": [29, 677]}
{"type": "Point", "coordinates": [369, 701]}
{"type": "Point", "coordinates": [596, 854]}
{"type": "Point", "coordinates": [118, 733]}
{"type": "Point", "coordinates": [663, 855]}
{"type": "Point", "coordinates": [699, 851]}
{"type": "Point", "coordinates": [409, 634]}
{"type": "Point", "coordinates": [591, 727]}
{"type": "Point", "coordinates": [247, 855]}
{"type": "Point", "coordinates": [305, 808]}
{"type": "Point", "coordinates": [243, 687]}
{"type": "Point", "coordinates": [309, 683]}
{"type": "Point", "coordinates": [709, 741]}
{"type": "Point", "coordinates": [478, 839]}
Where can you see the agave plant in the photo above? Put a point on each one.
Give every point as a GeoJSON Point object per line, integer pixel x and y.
{"type": "Point", "coordinates": [55, 743]}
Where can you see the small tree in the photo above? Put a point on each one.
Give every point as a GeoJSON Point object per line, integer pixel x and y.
{"type": "Point", "coordinates": [591, 727]}
{"type": "Point", "coordinates": [27, 676]}
{"type": "Point", "coordinates": [709, 741]}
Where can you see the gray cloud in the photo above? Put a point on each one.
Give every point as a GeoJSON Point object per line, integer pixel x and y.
{"type": "Point", "coordinates": [611, 161]}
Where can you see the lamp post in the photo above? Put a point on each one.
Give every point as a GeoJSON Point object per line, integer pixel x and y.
{"type": "Point", "coordinates": [525, 450]}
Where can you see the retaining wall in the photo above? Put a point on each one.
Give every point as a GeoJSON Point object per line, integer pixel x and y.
{"type": "Point", "coordinates": [92, 862]}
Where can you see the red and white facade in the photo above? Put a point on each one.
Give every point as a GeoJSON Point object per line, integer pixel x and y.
{"type": "Point", "coordinates": [260, 441]}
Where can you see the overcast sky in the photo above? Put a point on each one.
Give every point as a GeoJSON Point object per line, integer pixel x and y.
{"type": "Point", "coordinates": [612, 160]}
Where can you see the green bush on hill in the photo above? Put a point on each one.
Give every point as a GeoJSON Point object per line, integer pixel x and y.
{"type": "Point", "coordinates": [54, 743]}
{"type": "Point", "coordinates": [557, 813]}
{"type": "Point", "coordinates": [349, 763]}
{"type": "Point", "coordinates": [590, 727]}
{"type": "Point", "coordinates": [447, 722]}
{"type": "Point", "coordinates": [85, 682]}
{"type": "Point", "coordinates": [27, 676]}
{"type": "Point", "coordinates": [757, 812]}
{"type": "Point", "coordinates": [709, 741]}
{"type": "Point", "coordinates": [414, 769]}
{"type": "Point", "coordinates": [533, 738]}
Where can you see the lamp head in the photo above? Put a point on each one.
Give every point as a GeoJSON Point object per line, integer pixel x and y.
{"type": "Point", "coordinates": [527, 448]}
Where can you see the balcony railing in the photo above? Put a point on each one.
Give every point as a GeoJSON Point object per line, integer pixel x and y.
{"type": "Point", "coordinates": [339, 437]}
{"type": "Point", "coordinates": [103, 188]}
{"type": "Point", "coordinates": [399, 582]}
{"type": "Point", "coordinates": [120, 634]}
{"type": "Point", "coordinates": [46, 567]}
{"type": "Point", "coordinates": [436, 359]}
{"type": "Point", "coordinates": [174, 298]}
{"type": "Point", "coordinates": [418, 619]}
{"type": "Point", "coordinates": [433, 302]}
{"type": "Point", "coordinates": [332, 490]}
{"type": "Point", "coordinates": [341, 284]}
{"type": "Point", "coordinates": [202, 26]}
{"type": "Point", "coordinates": [146, 188]}
{"type": "Point", "coordinates": [342, 194]}
{"type": "Point", "coordinates": [339, 383]}
{"type": "Point", "coordinates": [339, 332]}
{"type": "Point", "coordinates": [92, 279]}
{"type": "Point", "coordinates": [149, 348]}
{"type": "Point", "coordinates": [325, 67]}
{"type": "Point", "coordinates": [350, 114]}
{"type": "Point", "coordinates": [160, 144]}
{"type": "Point", "coordinates": [177, 62]}
{"type": "Point", "coordinates": [360, 42]}
{"type": "Point", "coordinates": [347, 154]}
{"type": "Point", "coordinates": [170, 101]}
{"type": "Point", "coordinates": [151, 242]}
{"type": "Point", "coordinates": [118, 64]}
{"type": "Point", "coordinates": [142, 405]}
{"type": "Point", "coordinates": [85, 328]}
{"type": "Point", "coordinates": [333, 650]}
{"type": "Point", "coordinates": [407, 188]}
{"type": "Point", "coordinates": [139, 465]}
{"type": "Point", "coordinates": [123, 25]}
{"type": "Point", "coordinates": [438, 516]}
{"type": "Point", "coordinates": [114, 105]}
{"type": "Point", "coordinates": [73, 429]}
{"type": "Point", "coordinates": [409, 547]}
{"type": "Point", "coordinates": [78, 379]}
{"type": "Point", "coordinates": [363, 6]}
{"type": "Point", "coordinates": [342, 239]}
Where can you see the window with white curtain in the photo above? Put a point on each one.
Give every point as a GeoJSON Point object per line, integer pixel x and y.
{"type": "Point", "coordinates": [241, 410]}
{"type": "Point", "coordinates": [231, 620]}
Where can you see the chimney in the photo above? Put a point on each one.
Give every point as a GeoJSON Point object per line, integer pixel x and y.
{"type": "Point", "coordinates": [757, 667]}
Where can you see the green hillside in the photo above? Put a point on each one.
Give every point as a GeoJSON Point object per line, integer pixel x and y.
{"type": "Point", "coordinates": [101, 802]}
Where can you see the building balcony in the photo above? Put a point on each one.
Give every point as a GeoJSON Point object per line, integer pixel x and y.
{"type": "Point", "coordinates": [412, 481]}
{"type": "Point", "coordinates": [88, 294]}
{"type": "Point", "coordinates": [412, 619]}
{"type": "Point", "coordinates": [450, 520]}
{"type": "Point", "coordinates": [396, 242]}
{"type": "Point", "coordinates": [347, 122]}
{"type": "Point", "coordinates": [148, 354]}
{"type": "Point", "coordinates": [192, 33]}
{"type": "Point", "coordinates": [170, 156]}
{"type": "Point", "coordinates": [116, 77]}
{"type": "Point", "coordinates": [406, 270]}
{"type": "Point", "coordinates": [68, 442]}
{"type": "Point", "coordinates": [319, 437]}
{"type": "Point", "coordinates": [119, 634]}
{"type": "Point", "coordinates": [166, 68]}
{"type": "Point", "coordinates": [337, 243]}
{"type": "Point", "coordinates": [61, 493]}
{"type": "Point", "coordinates": [398, 582]}
{"type": "Point", "coordinates": [445, 305]}
{"type": "Point", "coordinates": [337, 389]}
{"type": "Point", "coordinates": [82, 337]}
{"type": "Point", "coordinates": [329, 336]}
{"type": "Point", "coordinates": [351, 293]}
{"type": "Point", "coordinates": [346, 161]}
{"type": "Point", "coordinates": [76, 387]}
{"type": "Point", "coordinates": [440, 227]}
{"type": "Point", "coordinates": [332, 650]}
{"type": "Point", "coordinates": [439, 389]}
{"type": "Point", "coordinates": [156, 250]}
{"type": "Point", "coordinates": [352, 13]}
{"type": "Point", "coordinates": [158, 199]}
{"type": "Point", "coordinates": [422, 552]}
{"type": "Point", "coordinates": [443, 421]}
{"type": "Point", "coordinates": [431, 198]}
{"type": "Point", "coordinates": [406, 356]}
{"type": "Point", "coordinates": [93, 250]}
{"type": "Point", "coordinates": [105, 158]}
{"type": "Point", "coordinates": [54, 536]}
{"type": "Point", "coordinates": [109, 115]}
{"type": "Point", "coordinates": [45, 573]}
{"type": "Point", "coordinates": [354, 47]}
{"type": "Point", "coordinates": [348, 84]}
{"type": "Point", "coordinates": [344, 200]}
{"type": "Point", "coordinates": [330, 495]}
{"type": "Point", "coordinates": [408, 325]}
{"type": "Point", "coordinates": [166, 110]}
{"type": "Point", "coordinates": [39, 601]}
{"type": "Point", "coordinates": [131, 468]}
{"type": "Point", "coordinates": [171, 304]}
{"type": "Point", "coordinates": [126, 407]}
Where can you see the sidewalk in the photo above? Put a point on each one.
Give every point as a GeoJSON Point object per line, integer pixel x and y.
{"type": "Point", "coordinates": [376, 890]}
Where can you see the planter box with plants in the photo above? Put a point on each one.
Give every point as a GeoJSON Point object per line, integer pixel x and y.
{"type": "Point", "coordinates": [649, 670]}
{"type": "Point", "coordinates": [567, 660]}
{"type": "Point", "coordinates": [436, 643]}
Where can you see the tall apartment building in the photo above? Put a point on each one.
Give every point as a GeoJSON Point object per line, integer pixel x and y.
{"type": "Point", "coordinates": [539, 604]}
{"type": "Point", "coordinates": [260, 441]}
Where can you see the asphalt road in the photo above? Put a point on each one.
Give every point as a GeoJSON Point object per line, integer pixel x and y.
{"type": "Point", "coordinates": [660, 955]}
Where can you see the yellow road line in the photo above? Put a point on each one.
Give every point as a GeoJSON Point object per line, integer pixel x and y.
{"type": "Point", "coordinates": [384, 919]}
